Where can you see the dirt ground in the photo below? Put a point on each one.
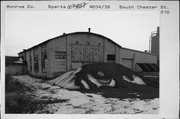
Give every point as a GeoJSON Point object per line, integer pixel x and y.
{"type": "Point", "coordinates": [47, 99]}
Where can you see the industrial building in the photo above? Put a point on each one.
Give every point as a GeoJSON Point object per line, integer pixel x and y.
{"type": "Point", "coordinates": [69, 51]}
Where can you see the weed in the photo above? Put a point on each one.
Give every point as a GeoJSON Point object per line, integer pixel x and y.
{"type": "Point", "coordinates": [19, 98]}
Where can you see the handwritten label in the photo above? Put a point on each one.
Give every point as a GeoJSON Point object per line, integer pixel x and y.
{"type": "Point", "coordinates": [71, 6]}
{"type": "Point", "coordinates": [77, 6]}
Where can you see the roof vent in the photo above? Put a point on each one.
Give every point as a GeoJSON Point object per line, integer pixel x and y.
{"type": "Point", "coordinates": [64, 33]}
{"type": "Point", "coordinates": [89, 29]}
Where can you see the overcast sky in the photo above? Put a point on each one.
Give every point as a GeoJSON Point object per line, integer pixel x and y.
{"type": "Point", "coordinates": [130, 29]}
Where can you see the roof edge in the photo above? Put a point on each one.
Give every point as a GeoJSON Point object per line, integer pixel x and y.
{"type": "Point", "coordinates": [138, 51]}
{"type": "Point", "coordinates": [66, 34]}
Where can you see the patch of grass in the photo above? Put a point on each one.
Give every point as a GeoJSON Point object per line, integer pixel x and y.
{"type": "Point", "coordinates": [19, 98]}
{"type": "Point", "coordinates": [12, 85]}
{"type": "Point", "coordinates": [21, 103]}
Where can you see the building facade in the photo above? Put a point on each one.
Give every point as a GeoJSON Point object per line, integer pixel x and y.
{"type": "Point", "coordinates": [69, 51]}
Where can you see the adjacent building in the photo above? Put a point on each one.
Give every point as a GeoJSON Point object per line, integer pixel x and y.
{"type": "Point", "coordinates": [69, 51]}
{"type": "Point", "coordinates": [14, 66]}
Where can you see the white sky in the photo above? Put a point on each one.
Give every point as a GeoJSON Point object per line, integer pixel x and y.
{"type": "Point", "coordinates": [130, 29]}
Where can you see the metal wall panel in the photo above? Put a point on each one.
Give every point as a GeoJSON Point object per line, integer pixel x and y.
{"type": "Point", "coordinates": [128, 63]}
{"type": "Point", "coordinates": [86, 53]}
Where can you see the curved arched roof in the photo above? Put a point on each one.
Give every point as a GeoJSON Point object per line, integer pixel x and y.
{"type": "Point", "coordinates": [73, 34]}
{"type": "Point", "coordinates": [63, 35]}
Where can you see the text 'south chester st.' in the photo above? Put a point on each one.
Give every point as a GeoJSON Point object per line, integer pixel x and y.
{"type": "Point", "coordinates": [85, 5]}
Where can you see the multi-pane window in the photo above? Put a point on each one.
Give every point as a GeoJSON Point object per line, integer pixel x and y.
{"type": "Point", "coordinates": [60, 55]}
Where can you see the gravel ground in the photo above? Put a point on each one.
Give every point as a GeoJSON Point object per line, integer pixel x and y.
{"type": "Point", "coordinates": [62, 101]}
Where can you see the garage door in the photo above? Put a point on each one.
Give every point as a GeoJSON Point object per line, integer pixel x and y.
{"type": "Point", "coordinates": [127, 63]}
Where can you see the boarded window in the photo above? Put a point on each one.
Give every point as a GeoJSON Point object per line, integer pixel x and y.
{"type": "Point", "coordinates": [60, 55]}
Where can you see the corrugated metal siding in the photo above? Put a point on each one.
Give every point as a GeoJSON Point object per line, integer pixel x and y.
{"type": "Point", "coordinates": [30, 59]}
{"type": "Point", "coordinates": [74, 50]}
{"type": "Point", "coordinates": [57, 56]}
{"type": "Point", "coordinates": [136, 57]}
{"type": "Point", "coordinates": [109, 49]}
{"type": "Point", "coordinates": [127, 63]}
{"type": "Point", "coordinates": [118, 60]}
{"type": "Point", "coordinates": [44, 60]}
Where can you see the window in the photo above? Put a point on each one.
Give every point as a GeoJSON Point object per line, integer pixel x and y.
{"type": "Point", "coordinates": [60, 55]}
{"type": "Point", "coordinates": [111, 57]}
